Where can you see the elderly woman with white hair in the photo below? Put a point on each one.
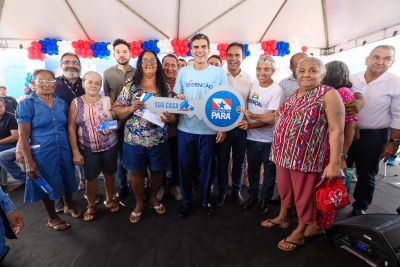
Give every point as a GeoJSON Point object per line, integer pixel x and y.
{"type": "Point", "coordinates": [303, 123]}
{"type": "Point", "coordinates": [94, 148]}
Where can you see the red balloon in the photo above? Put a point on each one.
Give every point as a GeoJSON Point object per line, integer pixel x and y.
{"type": "Point", "coordinates": [78, 51]}
{"type": "Point", "coordinates": [276, 51]}
{"type": "Point", "coordinates": [185, 42]}
{"type": "Point", "coordinates": [90, 53]}
{"type": "Point", "coordinates": [187, 49]}
{"type": "Point", "coordinates": [37, 53]}
{"type": "Point", "coordinates": [75, 44]}
{"type": "Point", "coordinates": [176, 48]}
{"type": "Point", "coordinates": [182, 48]}
{"type": "Point", "coordinates": [219, 46]}
{"type": "Point", "coordinates": [92, 42]}
{"type": "Point", "coordinates": [179, 42]}
{"type": "Point", "coordinates": [304, 49]}
{"type": "Point", "coordinates": [80, 42]}
{"type": "Point", "coordinates": [173, 42]}
{"type": "Point", "coordinates": [136, 51]}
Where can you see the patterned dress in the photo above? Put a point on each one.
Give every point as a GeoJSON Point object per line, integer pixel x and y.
{"type": "Point", "coordinates": [301, 132]}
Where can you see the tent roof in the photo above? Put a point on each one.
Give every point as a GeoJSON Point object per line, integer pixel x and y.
{"type": "Point", "coordinates": [314, 23]}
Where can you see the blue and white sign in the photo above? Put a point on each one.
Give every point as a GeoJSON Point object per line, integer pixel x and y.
{"type": "Point", "coordinates": [219, 109]}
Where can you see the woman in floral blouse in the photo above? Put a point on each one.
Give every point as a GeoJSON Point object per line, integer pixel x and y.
{"type": "Point", "coordinates": [145, 144]}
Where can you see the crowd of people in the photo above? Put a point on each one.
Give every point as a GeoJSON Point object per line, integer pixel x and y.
{"type": "Point", "coordinates": [315, 123]}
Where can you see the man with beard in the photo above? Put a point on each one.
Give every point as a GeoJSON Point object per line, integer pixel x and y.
{"type": "Point", "coordinates": [114, 80]}
{"type": "Point", "coordinates": [381, 115]}
{"type": "Point", "coordinates": [69, 84]}
{"type": "Point", "coordinates": [68, 87]}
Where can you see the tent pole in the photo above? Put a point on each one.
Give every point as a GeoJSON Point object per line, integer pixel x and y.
{"type": "Point", "coordinates": [77, 19]}
{"type": "Point", "coordinates": [1, 7]}
{"type": "Point", "coordinates": [216, 18]}
{"type": "Point", "coordinates": [326, 29]}
{"type": "Point", "coordinates": [273, 20]}
{"type": "Point", "coordinates": [179, 19]}
{"type": "Point", "coordinates": [142, 18]}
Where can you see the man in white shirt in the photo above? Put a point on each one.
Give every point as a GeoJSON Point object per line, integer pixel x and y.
{"type": "Point", "coordinates": [381, 91]}
{"type": "Point", "coordinates": [265, 97]}
{"type": "Point", "coordinates": [290, 84]}
{"type": "Point", "coordinates": [236, 138]}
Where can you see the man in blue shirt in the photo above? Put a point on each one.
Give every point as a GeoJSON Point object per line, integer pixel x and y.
{"type": "Point", "coordinates": [196, 142]}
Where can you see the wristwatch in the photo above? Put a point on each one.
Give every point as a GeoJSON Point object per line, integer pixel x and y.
{"type": "Point", "coordinates": [394, 141]}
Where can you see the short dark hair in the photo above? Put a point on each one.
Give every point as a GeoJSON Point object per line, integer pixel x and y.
{"type": "Point", "coordinates": [181, 59]}
{"type": "Point", "coordinates": [200, 36]}
{"type": "Point", "coordinates": [217, 57]}
{"type": "Point", "coordinates": [160, 79]}
{"type": "Point", "coordinates": [337, 75]}
{"type": "Point", "coordinates": [3, 86]}
{"type": "Point", "coordinates": [70, 54]}
{"type": "Point", "coordinates": [38, 71]}
{"type": "Point", "coordinates": [121, 41]}
{"type": "Point", "coordinates": [240, 45]}
{"type": "Point", "coordinates": [172, 56]}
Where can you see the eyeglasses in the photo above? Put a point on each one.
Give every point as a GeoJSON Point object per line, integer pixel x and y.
{"type": "Point", "coordinates": [151, 61]}
{"type": "Point", "coordinates": [75, 63]}
{"type": "Point", "coordinates": [48, 82]}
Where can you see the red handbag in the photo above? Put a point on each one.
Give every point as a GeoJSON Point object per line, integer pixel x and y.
{"type": "Point", "coordinates": [331, 194]}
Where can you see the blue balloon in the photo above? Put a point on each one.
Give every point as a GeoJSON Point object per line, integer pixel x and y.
{"type": "Point", "coordinates": [247, 53]}
{"type": "Point", "coordinates": [157, 50]}
{"type": "Point", "coordinates": [44, 50]}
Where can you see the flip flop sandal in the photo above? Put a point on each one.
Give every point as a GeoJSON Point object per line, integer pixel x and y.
{"type": "Point", "coordinates": [160, 209]}
{"type": "Point", "coordinates": [112, 205]}
{"type": "Point", "coordinates": [135, 217]}
{"type": "Point", "coordinates": [269, 224]}
{"type": "Point", "coordinates": [89, 215]}
{"type": "Point", "coordinates": [61, 226]}
{"type": "Point", "coordinates": [73, 213]}
{"type": "Point", "coordinates": [292, 245]}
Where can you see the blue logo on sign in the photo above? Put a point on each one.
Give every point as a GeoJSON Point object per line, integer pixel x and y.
{"type": "Point", "coordinates": [221, 109]}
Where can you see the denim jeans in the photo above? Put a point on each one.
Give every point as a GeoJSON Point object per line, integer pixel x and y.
{"type": "Point", "coordinates": [196, 150]}
{"type": "Point", "coordinates": [7, 162]}
{"type": "Point", "coordinates": [257, 154]}
{"type": "Point", "coordinates": [236, 141]}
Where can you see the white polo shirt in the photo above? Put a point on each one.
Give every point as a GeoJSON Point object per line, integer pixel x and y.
{"type": "Point", "coordinates": [242, 82]}
{"type": "Point", "coordinates": [382, 101]}
{"type": "Point", "coordinates": [289, 86]}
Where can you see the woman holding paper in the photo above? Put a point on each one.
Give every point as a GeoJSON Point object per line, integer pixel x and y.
{"type": "Point", "coordinates": [145, 143]}
{"type": "Point", "coordinates": [93, 145]}
{"type": "Point", "coordinates": [42, 124]}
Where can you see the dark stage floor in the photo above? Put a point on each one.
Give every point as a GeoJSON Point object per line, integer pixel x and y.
{"type": "Point", "coordinates": [231, 238]}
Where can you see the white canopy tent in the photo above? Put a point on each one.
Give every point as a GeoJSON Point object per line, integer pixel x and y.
{"type": "Point", "coordinates": [326, 25]}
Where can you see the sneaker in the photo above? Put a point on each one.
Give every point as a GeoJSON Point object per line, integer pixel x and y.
{"type": "Point", "coordinates": [178, 194]}
{"type": "Point", "coordinates": [160, 193]}
{"type": "Point", "coordinates": [97, 199]}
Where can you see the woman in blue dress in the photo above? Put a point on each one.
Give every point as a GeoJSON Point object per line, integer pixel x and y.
{"type": "Point", "coordinates": [42, 124]}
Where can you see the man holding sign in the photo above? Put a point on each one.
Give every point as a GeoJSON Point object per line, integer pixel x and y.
{"type": "Point", "coordinates": [196, 141]}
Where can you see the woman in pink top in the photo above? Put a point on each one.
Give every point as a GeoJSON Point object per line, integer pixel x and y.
{"type": "Point", "coordinates": [92, 147]}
